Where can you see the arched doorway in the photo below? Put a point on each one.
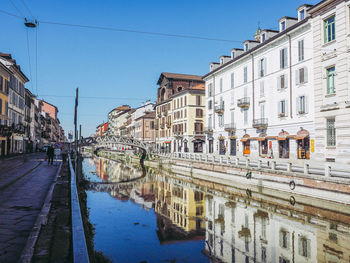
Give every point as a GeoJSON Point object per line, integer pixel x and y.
{"type": "Point", "coordinates": [283, 144]}
{"type": "Point", "coordinates": [303, 144]}
{"type": "Point", "coordinates": [246, 144]}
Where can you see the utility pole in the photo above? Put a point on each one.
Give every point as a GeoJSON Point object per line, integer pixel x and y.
{"type": "Point", "coordinates": [79, 138]}
{"type": "Point", "coordinates": [75, 118]}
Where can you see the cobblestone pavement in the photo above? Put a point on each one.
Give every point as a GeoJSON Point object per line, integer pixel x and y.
{"type": "Point", "coordinates": [22, 197]}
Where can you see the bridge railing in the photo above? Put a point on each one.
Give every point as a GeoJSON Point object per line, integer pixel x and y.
{"type": "Point", "coordinates": [80, 253]}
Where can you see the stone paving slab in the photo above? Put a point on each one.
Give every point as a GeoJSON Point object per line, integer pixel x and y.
{"type": "Point", "coordinates": [20, 205]}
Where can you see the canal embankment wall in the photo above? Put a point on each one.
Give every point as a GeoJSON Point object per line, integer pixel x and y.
{"type": "Point", "coordinates": [292, 185]}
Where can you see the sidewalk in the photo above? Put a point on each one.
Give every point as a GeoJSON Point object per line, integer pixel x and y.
{"type": "Point", "coordinates": [23, 188]}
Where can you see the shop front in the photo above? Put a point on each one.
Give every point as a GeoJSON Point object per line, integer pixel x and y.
{"type": "Point", "coordinates": [222, 146]}
{"type": "Point", "coordinates": [303, 144]}
{"type": "Point", "coordinates": [198, 145]}
{"type": "Point", "coordinates": [233, 145]}
{"type": "Point", "coordinates": [283, 145]}
{"type": "Point", "coordinates": [246, 144]}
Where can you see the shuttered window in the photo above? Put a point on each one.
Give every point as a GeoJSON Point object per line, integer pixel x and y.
{"type": "Point", "coordinates": [301, 50]}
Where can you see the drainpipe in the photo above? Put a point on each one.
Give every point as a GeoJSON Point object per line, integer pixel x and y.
{"type": "Point", "coordinates": [213, 109]}
{"type": "Point", "coordinates": [290, 77]}
{"type": "Point", "coordinates": [253, 81]}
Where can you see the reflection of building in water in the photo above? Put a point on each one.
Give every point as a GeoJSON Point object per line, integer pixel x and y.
{"type": "Point", "coordinates": [143, 195]}
{"type": "Point", "coordinates": [237, 232]}
{"type": "Point", "coordinates": [180, 211]}
{"type": "Point", "coordinates": [100, 168]}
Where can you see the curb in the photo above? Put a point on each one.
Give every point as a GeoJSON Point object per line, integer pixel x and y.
{"type": "Point", "coordinates": [28, 250]}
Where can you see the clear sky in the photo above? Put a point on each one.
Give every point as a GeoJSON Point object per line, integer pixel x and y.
{"type": "Point", "coordinates": [121, 67]}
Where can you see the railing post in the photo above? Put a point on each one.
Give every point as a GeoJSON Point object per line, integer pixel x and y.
{"type": "Point", "coordinates": [247, 163]}
{"type": "Point", "coordinates": [259, 164]}
{"type": "Point", "coordinates": [327, 170]}
{"type": "Point", "coordinates": [289, 167]}
{"type": "Point", "coordinates": [273, 165]}
{"type": "Point", "coordinates": [237, 161]}
{"type": "Point", "coordinates": [306, 168]}
{"type": "Point", "coordinates": [207, 158]}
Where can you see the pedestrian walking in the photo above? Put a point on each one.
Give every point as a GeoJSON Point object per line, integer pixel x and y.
{"type": "Point", "coordinates": [50, 154]}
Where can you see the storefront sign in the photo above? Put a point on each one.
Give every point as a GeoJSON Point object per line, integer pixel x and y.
{"type": "Point", "coordinates": [312, 145]}
{"type": "Point", "coordinates": [270, 144]}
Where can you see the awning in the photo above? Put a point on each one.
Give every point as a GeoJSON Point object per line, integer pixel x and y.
{"type": "Point", "coordinates": [300, 137]}
{"type": "Point", "coordinates": [232, 137]}
{"type": "Point", "coordinates": [302, 134]}
{"type": "Point", "coordinates": [197, 141]}
{"type": "Point", "coordinates": [271, 137]}
{"type": "Point", "coordinates": [167, 142]}
{"type": "Point", "coordinates": [245, 139]}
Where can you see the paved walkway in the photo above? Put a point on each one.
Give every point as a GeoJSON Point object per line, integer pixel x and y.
{"type": "Point", "coordinates": [23, 187]}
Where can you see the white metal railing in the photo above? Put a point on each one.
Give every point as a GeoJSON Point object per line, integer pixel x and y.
{"type": "Point", "coordinates": [80, 253]}
{"type": "Point", "coordinates": [307, 168]}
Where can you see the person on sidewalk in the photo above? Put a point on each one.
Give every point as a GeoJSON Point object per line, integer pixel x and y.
{"type": "Point", "coordinates": [50, 154]}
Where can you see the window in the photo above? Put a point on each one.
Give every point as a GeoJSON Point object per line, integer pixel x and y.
{"type": "Point", "coordinates": [221, 85]}
{"type": "Point", "coordinates": [233, 54]}
{"type": "Point", "coordinates": [301, 76]}
{"type": "Point", "coordinates": [198, 100]}
{"type": "Point", "coordinates": [262, 66]}
{"type": "Point", "coordinates": [1, 83]}
{"type": "Point", "coordinates": [185, 100]}
{"type": "Point", "coordinates": [282, 81]}
{"type": "Point", "coordinates": [329, 29]}
{"type": "Point", "coordinates": [210, 104]}
{"type": "Point", "coordinates": [262, 111]}
{"type": "Point", "coordinates": [301, 50]}
{"type": "Point", "coordinates": [0, 107]}
{"type": "Point", "coordinates": [232, 80]}
{"type": "Point", "coordinates": [301, 106]}
{"type": "Point", "coordinates": [210, 90]}
{"type": "Point", "coordinates": [282, 108]}
{"type": "Point", "coordinates": [283, 25]}
{"type": "Point", "coordinates": [245, 73]}
{"type": "Point", "coordinates": [263, 254]}
{"type": "Point", "coordinates": [245, 112]}
{"type": "Point", "coordinates": [232, 97]}
{"type": "Point", "coordinates": [330, 80]}
{"type": "Point", "coordinates": [262, 89]}
{"type": "Point", "coordinates": [246, 47]}
{"type": "Point", "coordinates": [263, 37]}
{"type": "Point", "coordinates": [284, 239]}
{"type": "Point", "coordinates": [199, 113]}
{"type": "Point", "coordinates": [331, 139]}
{"type": "Point", "coordinates": [283, 58]}
{"type": "Point", "coordinates": [304, 245]}
{"type": "Point", "coordinates": [301, 14]}
{"type": "Point", "coordinates": [221, 120]}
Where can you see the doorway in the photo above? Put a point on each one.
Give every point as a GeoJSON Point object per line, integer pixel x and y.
{"type": "Point", "coordinates": [304, 148]}
{"type": "Point", "coordinates": [222, 148]}
{"type": "Point", "coordinates": [233, 147]}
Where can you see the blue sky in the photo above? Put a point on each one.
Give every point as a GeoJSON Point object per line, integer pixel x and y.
{"type": "Point", "coordinates": [117, 65]}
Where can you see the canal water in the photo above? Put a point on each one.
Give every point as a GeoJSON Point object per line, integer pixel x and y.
{"type": "Point", "coordinates": [145, 215]}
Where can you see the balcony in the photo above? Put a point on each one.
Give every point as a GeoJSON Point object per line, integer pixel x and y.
{"type": "Point", "coordinates": [220, 108]}
{"type": "Point", "coordinates": [178, 134]}
{"type": "Point", "coordinates": [260, 123]}
{"type": "Point", "coordinates": [231, 127]}
{"type": "Point", "coordinates": [198, 133]}
{"type": "Point", "coordinates": [243, 102]}
{"type": "Point", "coordinates": [208, 130]}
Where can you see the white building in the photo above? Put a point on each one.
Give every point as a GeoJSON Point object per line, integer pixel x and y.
{"type": "Point", "coordinates": [331, 42]}
{"type": "Point", "coordinates": [260, 99]}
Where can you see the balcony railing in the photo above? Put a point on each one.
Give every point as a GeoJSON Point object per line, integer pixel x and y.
{"type": "Point", "coordinates": [198, 132]}
{"type": "Point", "coordinates": [220, 108]}
{"type": "Point", "coordinates": [178, 133]}
{"type": "Point", "coordinates": [168, 124]}
{"type": "Point", "coordinates": [231, 127]}
{"type": "Point", "coordinates": [243, 102]}
{"type": "Point", "coordinates": [208, 130]}
{"type": "Point", "coordinates": [260, 123]}
{"type": "Point", "coordinates": [162, 125]}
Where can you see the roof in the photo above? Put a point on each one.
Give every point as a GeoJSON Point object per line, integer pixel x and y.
{"type": "Point", "coordinates": [49, 104]}
{"type": "Point", "coordinates": [121, 108]}
{"type": "Point", "coordinates": [284, 32]}
{"type": "Point", "coordinates": [148, 115]}
{"type": "Point", "coordinates": [319, 5]}
{"type": "Point", "coordinates": [304, 5]}
{"type": "Point", "coordinates": [8, 57]}
{"type": "Point", "coordinates": [198, 89]}
{"type": "Point", "coordinates": [288, 17]}
{"type": "Point", "coordinates": [270, 30]}
{"type": "Point", "coordinates": [179, 76]}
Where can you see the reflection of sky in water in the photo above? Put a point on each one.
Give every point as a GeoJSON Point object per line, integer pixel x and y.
{"type": "Point", "coordinates": [119, 239]}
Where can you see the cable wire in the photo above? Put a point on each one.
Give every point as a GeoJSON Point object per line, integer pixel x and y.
{"type": "Point", "coordinates": [27, 8]}
{"type": "Point", "coordinates": [89, 97]}
{"type": "Point", "coordinates": [19, 11]}
{"type": "Point", "coordinates": [139, 31]}
{"type": "Point", "coordinates": [10, 14]}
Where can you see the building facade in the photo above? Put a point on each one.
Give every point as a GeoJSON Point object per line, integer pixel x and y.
{"type": "Point", "coordinates": [170, 84]}
{"type": "Point", "coordinates": [331, 40]}
{"type": "Point", "coordinates": [5, 133]}
{"type": "Point", "coordinates": [259, 100]}
{"type": "Point", "coordinates": [188, 120]}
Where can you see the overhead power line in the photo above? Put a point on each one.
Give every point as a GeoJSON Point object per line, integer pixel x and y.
{"type": "Point", "coordinates": [19, 11]}
{"type": "Point", "coordinates": [138, 31]}
{"type": "Point", "coordinates": [90, 97]}
{"type": "Point", "coordinates": [25, 5]}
